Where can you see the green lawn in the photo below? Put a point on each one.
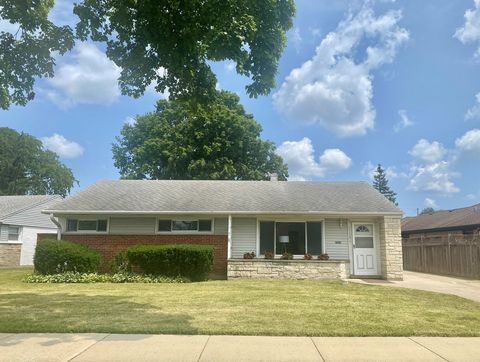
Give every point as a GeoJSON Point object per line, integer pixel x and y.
{"type": "Point", "coordinates": [313, 308]}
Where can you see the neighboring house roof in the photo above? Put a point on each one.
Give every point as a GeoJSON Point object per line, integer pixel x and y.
{"type": "Point", "coordinates": [26, 210]}
{"type": "Point", "coordinates": [445, 219]}
{"type": "Point", "coordinates": [173, 196]}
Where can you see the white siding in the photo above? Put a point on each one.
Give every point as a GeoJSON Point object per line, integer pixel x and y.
{"type": "Point", "coordinates": [3, 233]}
{"type": "Point", "coordinates": [33, 216]}
{"type": "Point", "coordinates": [244, 236]}
{"type": "Point", "coordinates": [132, 225]}
{"type": "Point", "coordinates": [28, 237]}
{"type": "Point", "coordinates": [221, 226]}
{"type": "Point", "coordinates": [336, 238]}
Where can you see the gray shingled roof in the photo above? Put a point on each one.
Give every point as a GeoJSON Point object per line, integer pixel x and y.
{"type": "Point", "coordinates": [465, 216]}
{"type": "Point", "coordinates": [137, 196]}
{"type": "Point", "coordinates": [10, 205]}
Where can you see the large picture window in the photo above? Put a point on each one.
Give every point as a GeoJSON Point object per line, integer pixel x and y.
{"type": "Point", "coordinates": [296, 237]}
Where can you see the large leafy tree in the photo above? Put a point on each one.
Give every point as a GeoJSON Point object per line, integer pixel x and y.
{"type": "Point", "coordinates": [380, 182]}
{"type": "Point", "coordinates": [170, 42]}
{"type": "Point", "coordinates": [26, 51]}
{"type": "Point", "coordinates": [216, 141]}
{"type": "Point", "coordinates": [26, 168]}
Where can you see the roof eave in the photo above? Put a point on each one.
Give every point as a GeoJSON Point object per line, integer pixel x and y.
{"type": "Point", "coordinates": [126, 212]}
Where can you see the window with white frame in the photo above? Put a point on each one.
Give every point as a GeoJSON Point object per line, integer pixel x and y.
{"type": "Point", "coordinates": [295, 237]}
{"type": "Point", "coordinates": [364, 236]}
{"type": "Point", "coordinates": [196, 225]}
{"type": "Point", "coordinates": [13, 233]}
{"type": "Point", "coordinates": [91, 225]}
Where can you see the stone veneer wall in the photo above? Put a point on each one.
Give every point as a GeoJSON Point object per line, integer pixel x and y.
{"type": "Point", "coordinates": [10, 254]}
{"type": "Point", "coordinates": [287, 269]}
{"type": "Point", "coordinates": [391, 248]}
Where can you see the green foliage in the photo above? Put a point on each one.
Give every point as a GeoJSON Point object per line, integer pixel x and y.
{"type": "Point", "coordinates": [380, 182]}
{"type": "Point", "coordinates": [194, 262]}
{"type": "Point", "coordinates": [427, 211]}
{"type": "Point", "coordinates": [26, 168]}
{"type": "Point", "coordinates": [120, 263]}
{"type": "Point", "coordinates": [171, 42]}
{"type": "Point", "coordinates": [287, 256]}
{"type": "Point", "coordinates": [58, 256]}
{"type": "Point", "coordinates": [75, 277]}
{"type": "Point", "coordinates": [27, 53]}
{"type": "Point", "coordinates": [269, 255]}
{"type": "Point", "coordinates": [217, 141]}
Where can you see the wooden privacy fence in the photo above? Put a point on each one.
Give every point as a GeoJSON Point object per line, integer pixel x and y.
{"type": "Point", "coordinates": [457, 255]}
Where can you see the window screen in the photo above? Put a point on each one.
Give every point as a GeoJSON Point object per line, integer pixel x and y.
{"type": "Point", "coordinates": [164, 225]}
{"type": "Point", "coordinates": [185, 225]}
{"type": "Point", "coordinates": [102, 225]}
{"type": "Point", "coordinates": [266, 236]}
{"type": "Point", "coordinates": [72, 225]}
{"type": "Point", "coordinates": [314, 238]}
{"type": "Point", "coordinates": [13, 233]}
{"type": "Point", "coordinates": [204, 225]}
{"type": "Point", "coordinates": [87, 225]}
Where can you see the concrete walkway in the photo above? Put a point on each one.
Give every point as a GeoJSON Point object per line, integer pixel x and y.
{"type": "Point", "coordinates": [128, 347]}
{"type": "Point", "coordinates": [464, 288]}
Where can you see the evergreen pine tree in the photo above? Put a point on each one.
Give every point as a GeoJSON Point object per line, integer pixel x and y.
{"type": "Point", "coordinates": [380, 182]}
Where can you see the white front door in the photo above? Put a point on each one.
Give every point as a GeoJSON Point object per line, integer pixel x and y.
{"type": "Point", "coordinates": [364, 252]}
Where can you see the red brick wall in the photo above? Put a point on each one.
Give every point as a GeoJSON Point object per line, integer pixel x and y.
{"type": "Point", "coordinates": [110, 245]}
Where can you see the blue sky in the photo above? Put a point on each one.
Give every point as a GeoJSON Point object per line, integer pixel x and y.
{"type": "Point", "coordinates": [360, 83]}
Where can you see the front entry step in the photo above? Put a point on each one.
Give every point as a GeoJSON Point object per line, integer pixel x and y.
{"type": "Point", "coordinates": [365, 277]}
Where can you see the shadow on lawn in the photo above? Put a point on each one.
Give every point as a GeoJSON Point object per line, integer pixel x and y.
{"type": "Point", "coordinates": [74, 313]}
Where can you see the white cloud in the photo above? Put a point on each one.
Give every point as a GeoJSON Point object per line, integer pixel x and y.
{"type": "Point", "coordinates": [230, 66]}
{"type": "Point", "coordinates": [333, 89]}
{"type": "Point", "coordinates": [89, 78]}
{"type": "Point", "coordinates": [62, 147]}
{"type": "Point", "coordinates": [300, 157]}
{"type": "Point", "coordinates": [470, 31]}
{"type": "Point", "coordinates": [434, 177]}
{"type": "Point", "coordinates": [130, 120]}
{"type": "Point", "coordinates": [296, 38]}
{"type": "Point", "coordinates": [428, 151]}
{"type": "Point", "coordinates": [430, 203]}
{"type": "Point", "coordinates": [474, 112]}
{"type": "Point", "coordinates": [404, 121]}
{"type": "Point", "coordinates": [369, 170]}
{"type": "Point", "coordinates": [469, 142]}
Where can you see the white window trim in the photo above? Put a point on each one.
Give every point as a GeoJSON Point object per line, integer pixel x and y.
{"type": "Point", "coordinates": [89, 232]}
{"type": "Point", "coordinates": [295, 256]}
{"type": "Point", "coordinates": [19, 240]}
{"type": "Point", "coordinates": [184, 232]}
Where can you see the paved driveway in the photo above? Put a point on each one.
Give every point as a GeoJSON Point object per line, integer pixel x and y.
{"type": "Point", "coordinates": [465, 288]}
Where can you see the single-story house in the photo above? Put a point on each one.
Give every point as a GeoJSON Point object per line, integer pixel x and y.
{"type": "Point", "coordinates": [355, 225]}
{"type": "Point", "coordinates": [21, 219]}
{"type": "Point", "coordinates": [462, 221]}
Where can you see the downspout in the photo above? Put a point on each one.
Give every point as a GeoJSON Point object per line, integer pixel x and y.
{"type": "Point", "coordinates": [59, 226]}
{"type": "Point", "coordinates": [229, 246]}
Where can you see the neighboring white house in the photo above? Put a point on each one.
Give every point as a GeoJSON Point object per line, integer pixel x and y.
{"type": "Point", "coordinates": [20, 222]}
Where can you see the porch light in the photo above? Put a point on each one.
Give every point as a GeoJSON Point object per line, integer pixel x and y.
{"type": "Point", "coordinates": [284, 239]}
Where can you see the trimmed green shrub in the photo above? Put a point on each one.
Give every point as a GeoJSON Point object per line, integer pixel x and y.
{"type": "Point", "coordinates": [74, 277]}
{"type": "Point", "coordinates": [120, 263]}
{"type": "Point", "coordinates": [58, 256]}
{"type": "Point", "coordinates": [194, 262]}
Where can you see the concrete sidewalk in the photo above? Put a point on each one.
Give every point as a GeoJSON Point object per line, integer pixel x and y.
{"type": "Point", "coordinates": [128, 347]}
